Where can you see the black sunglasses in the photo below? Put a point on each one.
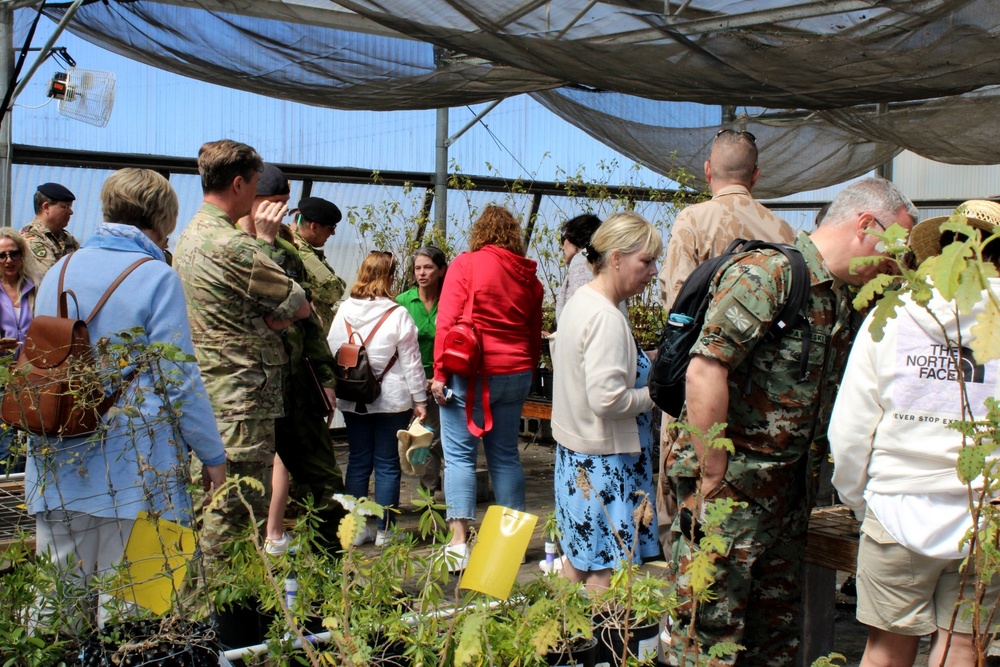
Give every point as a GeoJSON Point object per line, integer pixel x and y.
{"type": "Point", "coordinates": [13, 254]}
{"type": "Point", "coordinates": [742, 133]}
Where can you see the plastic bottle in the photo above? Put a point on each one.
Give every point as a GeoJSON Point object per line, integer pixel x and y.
{"type": "Point", "coordinates": [550, 554]}
{"type": "Point", "coordinates": [291, 590]}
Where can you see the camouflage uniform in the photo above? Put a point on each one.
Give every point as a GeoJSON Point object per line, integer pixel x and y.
{"type": "Point", "coordinates": [48, 247]}
{"type": "Point", "coordinates": [699, 232]}
{"type": "Point", "coordinates": [326, 287]}
{"type": "Point", "coordinates": [230, 286]}
{"type": "Point", "coordinates": [773, 429]}
{"type": "Point", "coordinates": [302, 438]}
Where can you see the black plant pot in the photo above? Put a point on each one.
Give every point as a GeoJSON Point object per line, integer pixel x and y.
{"type": "Point", "coordinates": [642, 643]}
{"type": "Point", "coordinates": [184, 644]}
{"type": "Point", "coordinates": [242, 625]}
{"type": "Point", "coordinates": [541, 384]}
{"type": "Point", "coordinates": [581, 653]}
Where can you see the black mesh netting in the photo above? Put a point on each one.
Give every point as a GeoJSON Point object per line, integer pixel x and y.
{"type": "Point", "coordinates": [835, 87]}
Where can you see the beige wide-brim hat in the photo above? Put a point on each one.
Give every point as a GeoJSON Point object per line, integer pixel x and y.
{"type": "Point", "coordinates": [417, 436]}
{"type": "Point", "coordinates": [925, 239]}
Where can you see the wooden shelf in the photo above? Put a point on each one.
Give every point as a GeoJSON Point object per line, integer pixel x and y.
{"type": "Point", "coordinates": [833, 536]}
{"type": "Point", "coordinates": [537, 409]}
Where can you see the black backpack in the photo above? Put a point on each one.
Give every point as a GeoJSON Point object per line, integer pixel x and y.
{"type": "Point", "coordinates": [687, 316]}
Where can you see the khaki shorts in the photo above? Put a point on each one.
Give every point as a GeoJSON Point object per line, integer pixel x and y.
{"type": "Point", "coordinates": [907, 593]}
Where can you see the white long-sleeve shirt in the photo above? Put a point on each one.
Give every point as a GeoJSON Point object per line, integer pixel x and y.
{"type": "Point", "coordinates": [404, 383]}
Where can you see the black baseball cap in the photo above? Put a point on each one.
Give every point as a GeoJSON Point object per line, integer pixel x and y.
{"type": "Point", "coordinates": [320, 211]}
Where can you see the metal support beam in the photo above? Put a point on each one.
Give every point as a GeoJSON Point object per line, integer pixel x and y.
{"type": "Point", "coordinates": [44, 53]}
{"type": "Point", "coordinates": [777, 15]}
{"type": "Point", "coordinates": [885, 169]}
{"type": "Point", "coordinates": [6, 73]}
{"type": "Point", "coordinates": [479, 116]}
{"type": "Point", "coordinates": [441, 175]}
{"type": "Point", "coordinates": [442, 144]}
{"type": "Point", "coordinates": [529, 229]}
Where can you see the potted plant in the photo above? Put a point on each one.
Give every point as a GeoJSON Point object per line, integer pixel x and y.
{"type": "Point", "coordinates": [628, 614]}
{"type": "Point", "coordinates": [557, 620]}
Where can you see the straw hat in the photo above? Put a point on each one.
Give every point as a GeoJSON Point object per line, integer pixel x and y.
{"type": "Point", "coordinates": [416, 437]}
{"type": "Point", "coordinates": [925, 239]}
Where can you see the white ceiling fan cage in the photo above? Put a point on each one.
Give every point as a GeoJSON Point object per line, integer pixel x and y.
{"type": "Point", "coordinates": [90, 96]}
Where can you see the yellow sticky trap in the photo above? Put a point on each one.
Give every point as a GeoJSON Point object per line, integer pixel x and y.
{"type": "Point", "coordinates": [157, 554]}
{"type": "Point", "coordinates": [503, 541]}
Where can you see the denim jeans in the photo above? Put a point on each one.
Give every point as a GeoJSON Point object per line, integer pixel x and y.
{"type": "Point", "coordinates": [372, 445]}
{"type": "Point", "coordinates": [507, 394]}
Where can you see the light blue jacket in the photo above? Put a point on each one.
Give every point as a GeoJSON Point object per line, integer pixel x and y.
{"type": "Point", "coordinates": [138, 464]}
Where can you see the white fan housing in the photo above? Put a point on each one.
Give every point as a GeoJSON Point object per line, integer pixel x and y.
{"type": "Point", "coordinates": [90, 95]}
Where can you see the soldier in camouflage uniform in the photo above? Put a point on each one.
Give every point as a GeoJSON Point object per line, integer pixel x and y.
{"type": "Point", "coordinates": [302, 437]}
{"type": "Point", "coordinates": [46, 234]}
{"type": "Point", "coordinates": [702, 231]}
{"type": "Point", "coordinates": [238, 301]}
{"type": "Point", "coordinates": [773, 427]}
{"type": "Point", "coordinates": [316, 222]}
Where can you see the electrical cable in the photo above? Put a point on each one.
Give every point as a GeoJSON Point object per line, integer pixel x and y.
{"type": "Point", "coordinates": [12, 84]}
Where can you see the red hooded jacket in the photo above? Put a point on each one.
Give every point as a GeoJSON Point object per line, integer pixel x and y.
{"type": "Point", "coordinates": [507, 309]}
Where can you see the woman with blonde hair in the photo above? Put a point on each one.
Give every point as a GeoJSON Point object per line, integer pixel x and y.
{"type": "Point", "coordinates": [86, 492]}
{"type": "Point", "coordinates": [20, 276]}
{"type": "Point", "coordinates": [601, 411]}
{"type": "Point", "coordinates": [507, 312]}
{"type": "Point", "coordinates": [394, 353]}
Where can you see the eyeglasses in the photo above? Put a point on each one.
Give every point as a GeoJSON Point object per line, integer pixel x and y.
{"type": "Point", "coordinates": [879, 223]}
{"type": "Point", "coordinates": [13, 255]}
{"type": "Point", "coordinates": [742, 133]}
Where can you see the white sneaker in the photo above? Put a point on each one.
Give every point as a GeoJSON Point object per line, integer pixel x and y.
{"type": "Point", "coordinates": [384, 537]}
{"type": "Point", "coordinates": [277, 547]}
{"type": "Point", "coordinates": [366, 535]}
{"type": "Point", "coordinates": [457, 557]}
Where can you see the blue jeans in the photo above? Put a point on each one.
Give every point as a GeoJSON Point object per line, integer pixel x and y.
{"type": "Point", "coordinates": [507, 394]}
{"type": "Point", "coordinates": [372, 445]}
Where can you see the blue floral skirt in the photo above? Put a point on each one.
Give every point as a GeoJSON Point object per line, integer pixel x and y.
{"type": "Point", "coordinates": [589, 489]}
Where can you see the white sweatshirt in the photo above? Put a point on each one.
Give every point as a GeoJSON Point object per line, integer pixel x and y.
{"type": "Point", "coordinates": [889, 430]}
{"type": "Point", "coordinates": [405, 383]}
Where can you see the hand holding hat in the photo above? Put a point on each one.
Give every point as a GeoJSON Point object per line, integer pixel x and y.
{"type": "Point", "coordinates": [414, 447]}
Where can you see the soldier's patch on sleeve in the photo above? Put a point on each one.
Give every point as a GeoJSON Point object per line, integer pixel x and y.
{"type": "Point", "coordinates": [741, 318]}
{"type": "Point", "coordinates": [38, 250]}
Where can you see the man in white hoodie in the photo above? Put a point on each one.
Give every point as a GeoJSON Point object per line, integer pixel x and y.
{"type": "Point", "coordinates": [895, 463]}
{"type": "Point", "coordinates": [773, 414]}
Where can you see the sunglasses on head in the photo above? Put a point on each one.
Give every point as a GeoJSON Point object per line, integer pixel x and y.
{"type": "Point", "coordinates": [742, 133]}
{"type": "Point", "coordinates": [12, 255]}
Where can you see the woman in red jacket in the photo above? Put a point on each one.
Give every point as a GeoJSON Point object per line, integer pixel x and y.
{"type": "Point", "coordinates": [507, 312]}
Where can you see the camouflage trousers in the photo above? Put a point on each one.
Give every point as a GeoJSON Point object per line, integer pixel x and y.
{"type": "Point", "coordinates": [756, 585]}
{"type": "Point", "coordinates": [303, 442]}
{"type": "Point", "coordinates": [250, 452]}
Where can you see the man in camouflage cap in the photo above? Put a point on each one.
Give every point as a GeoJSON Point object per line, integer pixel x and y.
{"type": "Point", "coordinates": [777, 422]}
{"type": "Point", "coordinates": [705, 230]}
{"type": "Point", "coordinates": [315, 223]}
{"type": "Point", "coordinates": [238, 301]}
{"type": "Point", "coordinates": [46, 234]}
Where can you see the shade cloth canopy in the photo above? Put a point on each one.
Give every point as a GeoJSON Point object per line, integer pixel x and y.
{"type": "Point", "coordinates": [831, 88]}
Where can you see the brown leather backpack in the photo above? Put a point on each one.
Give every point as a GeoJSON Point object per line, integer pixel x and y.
{"type": "Point", "coordinates": [356, 379]}
{"type": "Point", "coordinates": [56, 389]}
